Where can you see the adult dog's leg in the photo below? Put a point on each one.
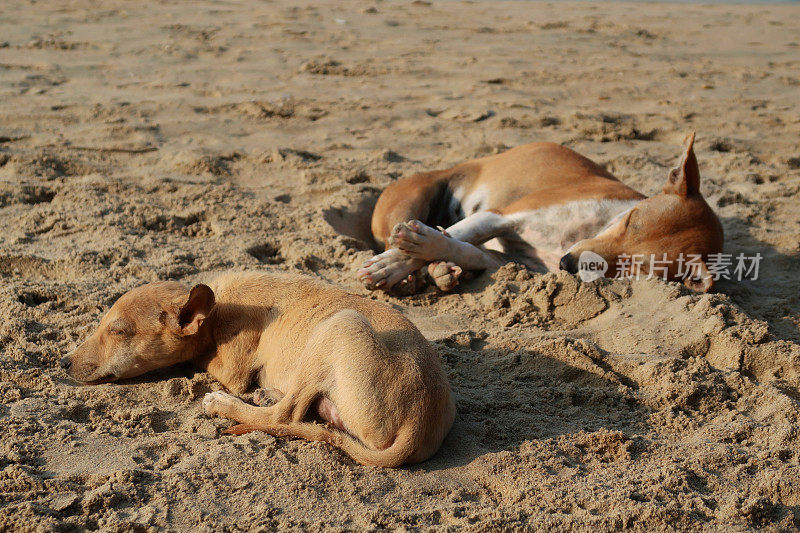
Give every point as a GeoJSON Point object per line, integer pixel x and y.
{"type": "Point", "coordinates": [410, 198]}
{"type": "Point", "coordinates": [406, 199]}
{"type": "Point", "coordinates": [387, 269]}
{"type": "Point", "coordinates": [415, 244]}
{"type": "Point", "coordinates": [456, 244]}
{"type": "Point", "coordinates": [480, 227]}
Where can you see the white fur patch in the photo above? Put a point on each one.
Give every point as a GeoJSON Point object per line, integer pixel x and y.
{"type": "Point", "coordinates": [614, 221]}
{"type": "Point", "coordinates": [479, 227]}
{"type": "Point", "coordinates": [553, 229]}
{"type": "Point", "coordinates": [476, 200]}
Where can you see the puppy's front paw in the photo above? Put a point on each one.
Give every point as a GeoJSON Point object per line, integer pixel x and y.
{"type": "Point", "coordinates": [265, 397]}
{"type": "Point", "coordinates": [219, 403]}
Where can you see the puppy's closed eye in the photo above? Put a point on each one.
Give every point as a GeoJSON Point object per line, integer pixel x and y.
{"type": "Point", "coordinates": [120, 327]}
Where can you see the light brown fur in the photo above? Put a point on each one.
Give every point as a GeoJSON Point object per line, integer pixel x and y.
{"type": "Point", "coordinates": [525, 177]}
{"type": "Point", "coordinates": [321, 352]}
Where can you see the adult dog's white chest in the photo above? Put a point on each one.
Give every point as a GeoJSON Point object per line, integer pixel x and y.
{"type": "Point", "coordinates": [545, 234]}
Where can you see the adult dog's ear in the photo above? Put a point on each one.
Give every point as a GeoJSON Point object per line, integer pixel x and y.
{"type": "Point", "coordinates": [196, 309]}
{"type": "Point", "coordinates": [685, 179]}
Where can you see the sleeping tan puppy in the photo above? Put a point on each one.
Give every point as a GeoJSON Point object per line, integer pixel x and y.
{"type": "Point", "coordinates": [320, 353]}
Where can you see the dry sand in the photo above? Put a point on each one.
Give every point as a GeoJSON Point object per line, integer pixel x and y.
{"type": "Point", "coordinates": [173, 140]}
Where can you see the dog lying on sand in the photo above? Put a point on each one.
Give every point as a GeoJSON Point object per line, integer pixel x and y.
{"type": "Point", "coordinates": [322, 354]}
{"type": "Point", "coordinates": [542, 205]}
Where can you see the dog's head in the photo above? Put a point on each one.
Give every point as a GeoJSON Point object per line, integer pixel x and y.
{"type": "Point", "coordinates": [150, 327]}
{"type": "Point", "coordinates": [669, 234]}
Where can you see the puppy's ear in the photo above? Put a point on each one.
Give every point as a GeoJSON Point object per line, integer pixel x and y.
{"type": "Point", "coordinates": [685, 179]}
{"type": "Point", "coordinates": [702, 280]}
{"type": "Point", "coordinates": [196, 309]}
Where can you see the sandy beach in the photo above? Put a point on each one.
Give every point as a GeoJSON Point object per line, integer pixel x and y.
{"type": "Point", "coordinates": [144, 141]}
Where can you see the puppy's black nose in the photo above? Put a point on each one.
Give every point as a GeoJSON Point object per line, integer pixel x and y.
{"type": "Point", "coordinates": [567, 264]}
{"type": "Point", "coordinates": [65, 363]}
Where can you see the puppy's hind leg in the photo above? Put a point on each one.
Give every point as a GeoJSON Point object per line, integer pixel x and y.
{"type": "Point", "coordinates": [252, 418]}
{"type": "Point", "coordinates": [392, 456]}
{"type": "Point", "coordinates": [292, 406]}
{"type": "Point", "coordinates": [377, 438]}
{"type": "Point", "coordinates": [264, 397]}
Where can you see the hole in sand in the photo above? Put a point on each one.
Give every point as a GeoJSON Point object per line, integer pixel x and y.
{"type": "Point", "coordinates": [78, 413]}
{"type": "Point", "coordinates": [193, 218]}
{"type": "Point", "coordinates": [32, 299]}
{"type": "Point", "coordinates": [37, 195]}
{"type": "Point", "coordinates": [721, 145]}
{"type": "Point", "coordinates": [266, 253]}
{"type": "Point", "coordinates": [353, 220]}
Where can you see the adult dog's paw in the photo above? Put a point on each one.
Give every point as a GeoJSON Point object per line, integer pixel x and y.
{"type": "Point", "coordinates": [445, 274]}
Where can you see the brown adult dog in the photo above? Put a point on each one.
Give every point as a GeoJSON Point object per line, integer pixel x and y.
{"type": "Point", "coordinates": [543, 205]}
{"type": "Point", "coordinates": [319, 352]}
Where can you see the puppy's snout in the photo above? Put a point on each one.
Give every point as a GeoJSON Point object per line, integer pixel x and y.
{"type": "Point", "coordinates": [65, 363]}
{"type": "Point", "coordinates": [568, 263]}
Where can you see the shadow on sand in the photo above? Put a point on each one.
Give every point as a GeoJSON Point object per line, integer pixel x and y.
{"type": "Point", "coordinates": [506, 397]}
{"type": "Point", "coordinates": [775, 295]}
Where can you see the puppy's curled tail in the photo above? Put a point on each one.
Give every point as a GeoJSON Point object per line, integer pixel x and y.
{"type": "Point", "coordinates": [391, 457]}
{"type": "Point", "coordinates": [395, 455]}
